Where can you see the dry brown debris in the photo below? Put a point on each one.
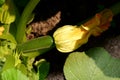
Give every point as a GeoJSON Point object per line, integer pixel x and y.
{"type": "Point", "coordinates": [43, 27]}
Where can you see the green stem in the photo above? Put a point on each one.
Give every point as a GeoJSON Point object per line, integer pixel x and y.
{"type": "Point", "coordinates": [36, 44]}
{"type": "Point", "coordinates": [23, 20]}
{"type": "Point", "coordinates": [6, 26]}
{"type": "Point", "coordinates": [116, 8]}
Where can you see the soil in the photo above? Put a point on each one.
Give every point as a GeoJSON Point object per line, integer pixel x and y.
{"type": "Point", "coordinates": [72, 13]}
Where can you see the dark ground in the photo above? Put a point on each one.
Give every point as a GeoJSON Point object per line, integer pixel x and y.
{"type": "Point", "coordinates": [73, 12]}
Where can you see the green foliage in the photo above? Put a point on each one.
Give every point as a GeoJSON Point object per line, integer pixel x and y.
{"type": "Point", "coordinates": [13, 74]}
{"type": "Point", "coordinates": [95, 64]}
{"type": "Point", "coordinates": [17, 54]}
{"type": "Point", "coordinates": [8, 37]}
{"type": "Point", "coordinates": [43, 69]}
{"type": "Point", "coordinates": [6, 48]}
{"type": "Point", "coordinates": [2, 2]}
{"type": "Point", "coordinates": [9, 63]}
{"type": "Point", "coordinates": [27, 12]}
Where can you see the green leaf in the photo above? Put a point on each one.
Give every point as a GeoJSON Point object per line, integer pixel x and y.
{"type": "Point", "coordinates": [8, 37]}
{"type": "Point", "coordinates": [22, 68]}
{"type": "Point", "coordinates": [31, 70]}
{"type": "Point", "coordinates": [13, 74]}
{"type": "Point", "coordinates": [43, 69]}
{"type": "Point", "coordinates": [2, 2]}
{"type": "Point", "coordinates": [24, 19]}
{"type": "Point", "coordinates": [36, 44]}
{"type": "Point", "coordinates": [34, 76]}
{"type": "Point", "coordinates": [6, 48]}
{"type": "Point", "coordinates": [9, 63]}
{"type": "Point", "coordinates": [96, 64]}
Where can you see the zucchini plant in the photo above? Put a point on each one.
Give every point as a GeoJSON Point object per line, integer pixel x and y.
{"type": "Point", "coordinates": [17, 54]}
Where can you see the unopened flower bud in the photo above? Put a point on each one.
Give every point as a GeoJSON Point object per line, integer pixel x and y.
{"type": "Point", "coordinates": [7, 12]}
{"type": "Point", "coordinates": [68, 38]}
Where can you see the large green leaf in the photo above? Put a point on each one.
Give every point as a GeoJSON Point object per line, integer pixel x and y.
{"type": "Point", "coordinates": [96, 64]}
{"type": "Point", "coordinates": [13, 74]}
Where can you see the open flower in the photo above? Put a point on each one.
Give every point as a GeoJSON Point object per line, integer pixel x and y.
{"type": "Point", "coordinates": [68, 38]}
{"type": "Point", "coordinates": [1, 30]}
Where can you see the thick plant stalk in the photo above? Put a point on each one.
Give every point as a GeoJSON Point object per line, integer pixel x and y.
{"type": "Point", "coordinates": [115, 8]}
{"type": "Point", "coordinates": [6, 26]}
{"type": "Point", "coordinates": [36, 44]}
{"type": "Point", "coordinates": [24, 18]}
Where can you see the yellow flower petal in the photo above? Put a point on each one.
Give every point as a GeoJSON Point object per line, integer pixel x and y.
{"type": "Point", "coordinates": [68, 38]}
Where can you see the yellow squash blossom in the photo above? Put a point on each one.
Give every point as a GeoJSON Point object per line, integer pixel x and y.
{"type": "Point", "coordinates": [1, 30]}
{"type": "Point", "coordinates": [69, 37]}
